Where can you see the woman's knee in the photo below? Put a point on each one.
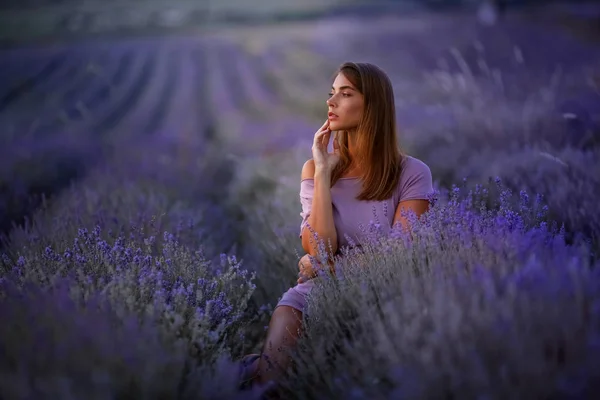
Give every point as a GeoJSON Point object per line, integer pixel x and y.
{"type": "Point", "coordinates": [286, 324]}
{"type": "Point", "coordinates": [284, 330]}
{"type": "Point", "coordinates": [288, 315]}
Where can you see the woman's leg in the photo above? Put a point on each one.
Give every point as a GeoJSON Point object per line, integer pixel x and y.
{"type": "Point", "coordinates": [282, 335]}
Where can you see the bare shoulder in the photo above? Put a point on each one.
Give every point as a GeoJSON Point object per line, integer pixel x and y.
{"type": "Point", "coordinates": [308, 170]}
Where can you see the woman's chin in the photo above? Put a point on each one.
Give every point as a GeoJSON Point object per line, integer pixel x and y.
{"type": "Point", "coordinates": [335, 126]}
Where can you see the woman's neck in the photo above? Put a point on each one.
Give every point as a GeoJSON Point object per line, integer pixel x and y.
{"type": "Point", "coordinates": [351, 142]}
{"type": "Point", "coordinates": [353, 169]}
{"type": "Point", "coordinates": [352, 172]}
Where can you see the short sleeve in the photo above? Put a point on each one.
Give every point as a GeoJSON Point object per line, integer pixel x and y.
{"type": "Point", "coordinates": [307, 187]}
{"type": "Point", "coordinates": [416, 182]}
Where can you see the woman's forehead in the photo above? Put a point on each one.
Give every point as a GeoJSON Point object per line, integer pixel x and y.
{"type": "Point", "coordinates": [341, 81]}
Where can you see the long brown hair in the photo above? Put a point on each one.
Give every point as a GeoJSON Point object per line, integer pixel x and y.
{"type": "Point", "coordinates": [378, 152]}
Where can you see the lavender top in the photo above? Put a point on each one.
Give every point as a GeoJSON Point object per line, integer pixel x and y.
{"type": "Point", "coordinates": [352, 217]}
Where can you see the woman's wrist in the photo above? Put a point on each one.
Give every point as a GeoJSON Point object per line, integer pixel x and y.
{"type": "Point", "coordinates": [322, 173]}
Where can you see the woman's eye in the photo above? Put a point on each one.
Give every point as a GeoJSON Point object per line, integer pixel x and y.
{"type": "Point", "coordinates": [343, 94]}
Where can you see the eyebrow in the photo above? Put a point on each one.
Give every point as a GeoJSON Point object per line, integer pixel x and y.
{"type": "Point", "coordinates": [344, 87]}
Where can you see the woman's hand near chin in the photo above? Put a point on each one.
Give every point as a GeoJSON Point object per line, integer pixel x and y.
{"type": "Point", "coordinates": [325, 161]}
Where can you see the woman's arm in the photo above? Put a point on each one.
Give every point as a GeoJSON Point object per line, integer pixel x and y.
{"type": "Point", "coordinates": [321, 215]}
{"type": "Point", "coordinates": [415, 188]}
{"type": "Point", "coordinates": [419, 207]}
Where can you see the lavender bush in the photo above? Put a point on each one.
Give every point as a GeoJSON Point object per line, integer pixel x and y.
{"type": "Point", "coordinates": [128, 272]}
{"type": "Point", "coordinates": [478, 302]}
{"type": "Point", "coordinates": [30, 169]}
{"type": "Point", "coordinates": [81, 348]}
{"type": "Point", "coordinates": [112, 318]}
{"type": "Point", "coordinates": [568, 179]}
{"type": "Point", "coordinates": [192, 309]}
{"type": "Point", "coordinates": [267, 240]}
{"type": "Point", "coordinates": [114, 202]}
{"type": "Point", "coordinates": [539, 133]}
{"type": "Point", "coordinates": [159, 183]}
{"type": "Point", "coordinates": [269, 204]}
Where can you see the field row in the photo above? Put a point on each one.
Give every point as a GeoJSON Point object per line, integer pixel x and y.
{"type": "Point", "coordinates": [62, 109]}
{"type": "Point", "coordinates": [142, 88]}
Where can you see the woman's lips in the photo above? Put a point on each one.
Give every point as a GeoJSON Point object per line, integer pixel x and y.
{"type": "Point", "coordinates": [332, 116]}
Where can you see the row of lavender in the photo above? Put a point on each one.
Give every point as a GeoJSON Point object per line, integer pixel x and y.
{"type": "Point", "coordinates": [64, 108]}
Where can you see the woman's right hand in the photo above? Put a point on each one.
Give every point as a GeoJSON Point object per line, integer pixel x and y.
{"type": "Point", "coordinates": [325, 161]}
{"type": "Point", "coordinates": [306, 269]}
{"type": "Point", "coordinates": [309, 267]}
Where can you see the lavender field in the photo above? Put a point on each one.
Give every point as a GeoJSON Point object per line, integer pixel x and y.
{"type": "Point", "coordinates": [149, 213]}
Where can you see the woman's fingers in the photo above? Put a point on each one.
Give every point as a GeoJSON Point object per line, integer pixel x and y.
{"type": "Point", "coordinates": [322, 140]}
{"type": "Point", "coordinates": [303, 278]}
{"type": "Point", "coordinates": [325, 124]}
{"type": "Point", "coordinates": [307, 271]}
{"type": "Point", "coordinates": [305, 266]}
{"type": "Point", "coordinates": [304, 260]}
{"type": "Point", "coordinates": [322, 129]}
{"type": "Point", "coordinates": [325, 139]}
{"type": "Point", "coordinates": [309, 268]}
{"type": "Point", "coordinates": [318, 137]}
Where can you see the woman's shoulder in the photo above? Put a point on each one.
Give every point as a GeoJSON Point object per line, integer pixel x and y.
{"type": "Point", "coordinates": [412, 166]}
{"type": "Point", "coordinates": [308, 170]}
{"type": "Point", "coordinates": [416, 181]}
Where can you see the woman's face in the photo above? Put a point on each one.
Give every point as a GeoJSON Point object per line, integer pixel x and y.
{"type": "Point", "coordinates": [346, 105]}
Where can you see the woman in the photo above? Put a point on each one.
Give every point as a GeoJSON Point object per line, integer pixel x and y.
{"type": "Point", "coordinates": [366, 173]}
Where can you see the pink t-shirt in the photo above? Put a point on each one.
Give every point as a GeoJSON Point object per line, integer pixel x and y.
{"type": "Point", "coordinates": [352, 217]}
